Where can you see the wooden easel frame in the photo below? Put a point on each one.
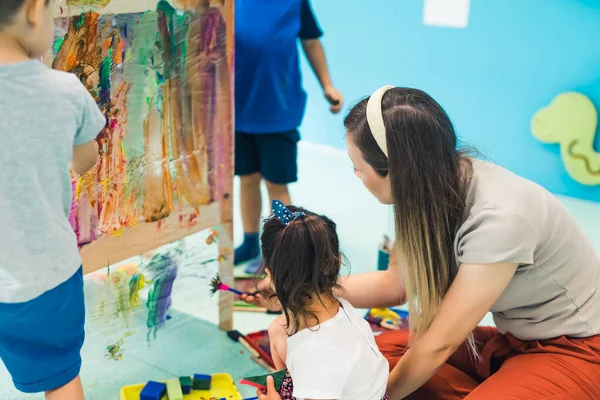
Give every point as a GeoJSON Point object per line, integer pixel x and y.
{"type": "Point", "coordinates": [216, 215]}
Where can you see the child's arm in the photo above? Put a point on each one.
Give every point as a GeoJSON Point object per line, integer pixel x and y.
{"type": "Point", "coordinates": [91, 123]}
{"type": "Point", "coordinates": [278, 339]}
{"type": "Point", "coordinates": [316, 57]}
{"type": "Point", "coordinates": [310, 33]}
{"type": "Point", "coordinates": [84, 157]}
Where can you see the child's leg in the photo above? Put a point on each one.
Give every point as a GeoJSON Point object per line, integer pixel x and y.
{"type": "Point", "coordinates": [279, 192]}
{"type": "Point", "coordinates": [71, 391]}
{"type": "Point", "coordinates": [250, 202]}
{"type": "Point", "coordinates": [247, 167]}
{"type": "Point", "coordinates": [279, 163]}
{"type": "Point", "coordinates": [251, 205]}
{"type": "Point", "coordinates": [278, 154]}
{"type": "Point", "coordinates": [41, 340]}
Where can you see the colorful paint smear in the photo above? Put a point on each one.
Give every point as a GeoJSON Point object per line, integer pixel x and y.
{"type": "Point", "coordinates": [163, 81]}
{"type": "Point", "coordinates": [163, 270]}
{"type": "Point", "coordinates": [97, 4]}
{"type": "Point", "coordinates": [115, 351]}
{"type": "Point", "coordinates": [120, 295]}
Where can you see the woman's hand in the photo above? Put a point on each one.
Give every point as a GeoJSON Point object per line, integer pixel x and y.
{"type": "Point", "coordinates": [270, 393]}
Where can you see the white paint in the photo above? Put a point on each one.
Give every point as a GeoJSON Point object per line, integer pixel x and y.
{"type": "Point", "coordinates": [447, 13]}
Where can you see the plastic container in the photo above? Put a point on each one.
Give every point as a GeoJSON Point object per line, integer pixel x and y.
{"type": "Point", "coordinates": [222, 387]}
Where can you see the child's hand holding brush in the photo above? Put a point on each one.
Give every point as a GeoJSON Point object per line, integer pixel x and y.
{"type": "Point", "coordinates": [264, 296]}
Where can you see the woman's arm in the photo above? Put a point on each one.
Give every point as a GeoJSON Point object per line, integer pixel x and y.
{"type": "Point", "coordinates": [379, 289]}
{"type": "Point", "coordinates": [369, 290]}
{"type": "Point", "coordinates": [474, 291]}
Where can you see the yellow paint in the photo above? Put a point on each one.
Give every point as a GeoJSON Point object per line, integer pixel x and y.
{"type": "Point", "coordinates": [571, 120]}
{"type": "Point", "coordinates": [79, 187]}
{"type": "Point", "coordinates": [384, 313]}
{"type": "Point", "coordinates": [93, 4]}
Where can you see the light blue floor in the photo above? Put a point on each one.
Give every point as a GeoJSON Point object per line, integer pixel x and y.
{"type": "Point", "coordinates": [190, 342]}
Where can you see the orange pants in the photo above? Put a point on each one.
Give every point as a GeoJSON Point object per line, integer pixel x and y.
{"type": "Point", "coordinates": [509, 369]}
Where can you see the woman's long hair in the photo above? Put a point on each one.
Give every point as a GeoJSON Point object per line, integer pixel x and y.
{"type": "Point", "coordinates": [428, 189]}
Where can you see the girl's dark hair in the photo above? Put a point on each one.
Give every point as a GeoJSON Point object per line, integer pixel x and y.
{"type": "Point", "coordinates": [8, 9]}
{"type": "Point", "coordinates": [429, 177]}
{"type": "Point", "coordinates": [304, 260]}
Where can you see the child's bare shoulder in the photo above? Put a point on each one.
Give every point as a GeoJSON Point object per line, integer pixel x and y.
{"type": "Point", "coordinates": [278, 327]}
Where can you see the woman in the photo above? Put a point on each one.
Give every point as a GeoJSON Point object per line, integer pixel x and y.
{"type": "Point", "coordinates": [472, 237]}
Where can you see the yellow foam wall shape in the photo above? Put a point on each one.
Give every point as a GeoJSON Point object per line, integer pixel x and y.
{"type": "Point", "coordinates": [570, 120]}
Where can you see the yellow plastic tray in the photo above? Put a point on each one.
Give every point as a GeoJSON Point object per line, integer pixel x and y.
{"type": "Point", "coordinates": [222, 387]}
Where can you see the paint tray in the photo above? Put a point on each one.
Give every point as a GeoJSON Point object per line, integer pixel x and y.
{"type": "Point", "coordinates": [261, 343]}
{"type": "Point", "coordinates": [375, 320]}
{"type": "Point", "coordinates": [222, 387]}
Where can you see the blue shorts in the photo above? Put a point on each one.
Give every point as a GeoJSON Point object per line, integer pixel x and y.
{"type": "Point", "coordinates": [41, 340]}
{"type": "Point", "coordinates": [273, 155]}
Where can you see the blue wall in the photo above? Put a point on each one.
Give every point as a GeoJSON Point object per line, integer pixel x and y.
{"type": "Point", "coordinates": [512, 59]}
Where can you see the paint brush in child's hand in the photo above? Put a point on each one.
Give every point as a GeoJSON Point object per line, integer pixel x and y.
{"type": "Point", "coordinates": [216, 285]}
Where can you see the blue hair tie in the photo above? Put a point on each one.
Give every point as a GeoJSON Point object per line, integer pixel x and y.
{"type": "Point", "coordinates": [282, 213]}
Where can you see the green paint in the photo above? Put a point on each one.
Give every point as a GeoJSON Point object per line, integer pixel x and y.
{"type": "Point", "coordinates": [139, 72]}
{"type": "Point", "coordinates": [80, 21]}
{"type": "Point", "coordinates": [183, 24]}
{"type": "Point", "coordinates": [105, 71]}
{"type": "Point", "coordinates": [571, 120]}
{"type": "Point", "coordinates": [115, 351]}
{"type": "Point", "coordinates": [165, 7]}
{"type": "Point", "coordinates": [58, 44]}
{"type": "Point", "coordinates": [177, 24]}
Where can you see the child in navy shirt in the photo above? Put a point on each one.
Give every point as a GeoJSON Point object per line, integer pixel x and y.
{"type": "Point", "coordinates": [270, 102]}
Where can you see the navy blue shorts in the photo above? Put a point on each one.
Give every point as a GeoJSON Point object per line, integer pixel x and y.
{"type": "Point", "coordinates": [41, 340]}
{"type": "Point", "coordinates": [273, 155]}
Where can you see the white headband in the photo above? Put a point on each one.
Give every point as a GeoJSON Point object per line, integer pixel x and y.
{"type": "Point", "coordinates": [375, 118]}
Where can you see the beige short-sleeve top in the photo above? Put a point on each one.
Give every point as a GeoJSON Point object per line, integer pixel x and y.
{"type": "Point", "coordinates": [556, 289]}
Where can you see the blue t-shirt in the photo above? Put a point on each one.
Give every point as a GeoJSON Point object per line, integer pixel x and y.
{"type": "Point", "coordinates": [269, 97]}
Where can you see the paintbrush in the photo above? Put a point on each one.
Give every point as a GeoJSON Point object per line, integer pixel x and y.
{"type": "Point", "coordinates": [216, 284]}
{"type": "Point", "coordinates": [238, 337]}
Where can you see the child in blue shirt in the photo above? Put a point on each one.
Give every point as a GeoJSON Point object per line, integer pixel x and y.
{"type": "Point", "coordinates": [270, 102]}
{"type": "Point", "coordinates": [48, 120]}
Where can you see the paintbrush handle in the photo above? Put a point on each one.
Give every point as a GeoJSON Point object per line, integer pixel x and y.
{"type": "Point", "coordinates": [241, 293]}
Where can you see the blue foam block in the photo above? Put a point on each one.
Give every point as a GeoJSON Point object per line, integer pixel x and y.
{"type": "Point", "coordinates": [153, 391]}
{"type": "Point", "coordinates": [202, 382]}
